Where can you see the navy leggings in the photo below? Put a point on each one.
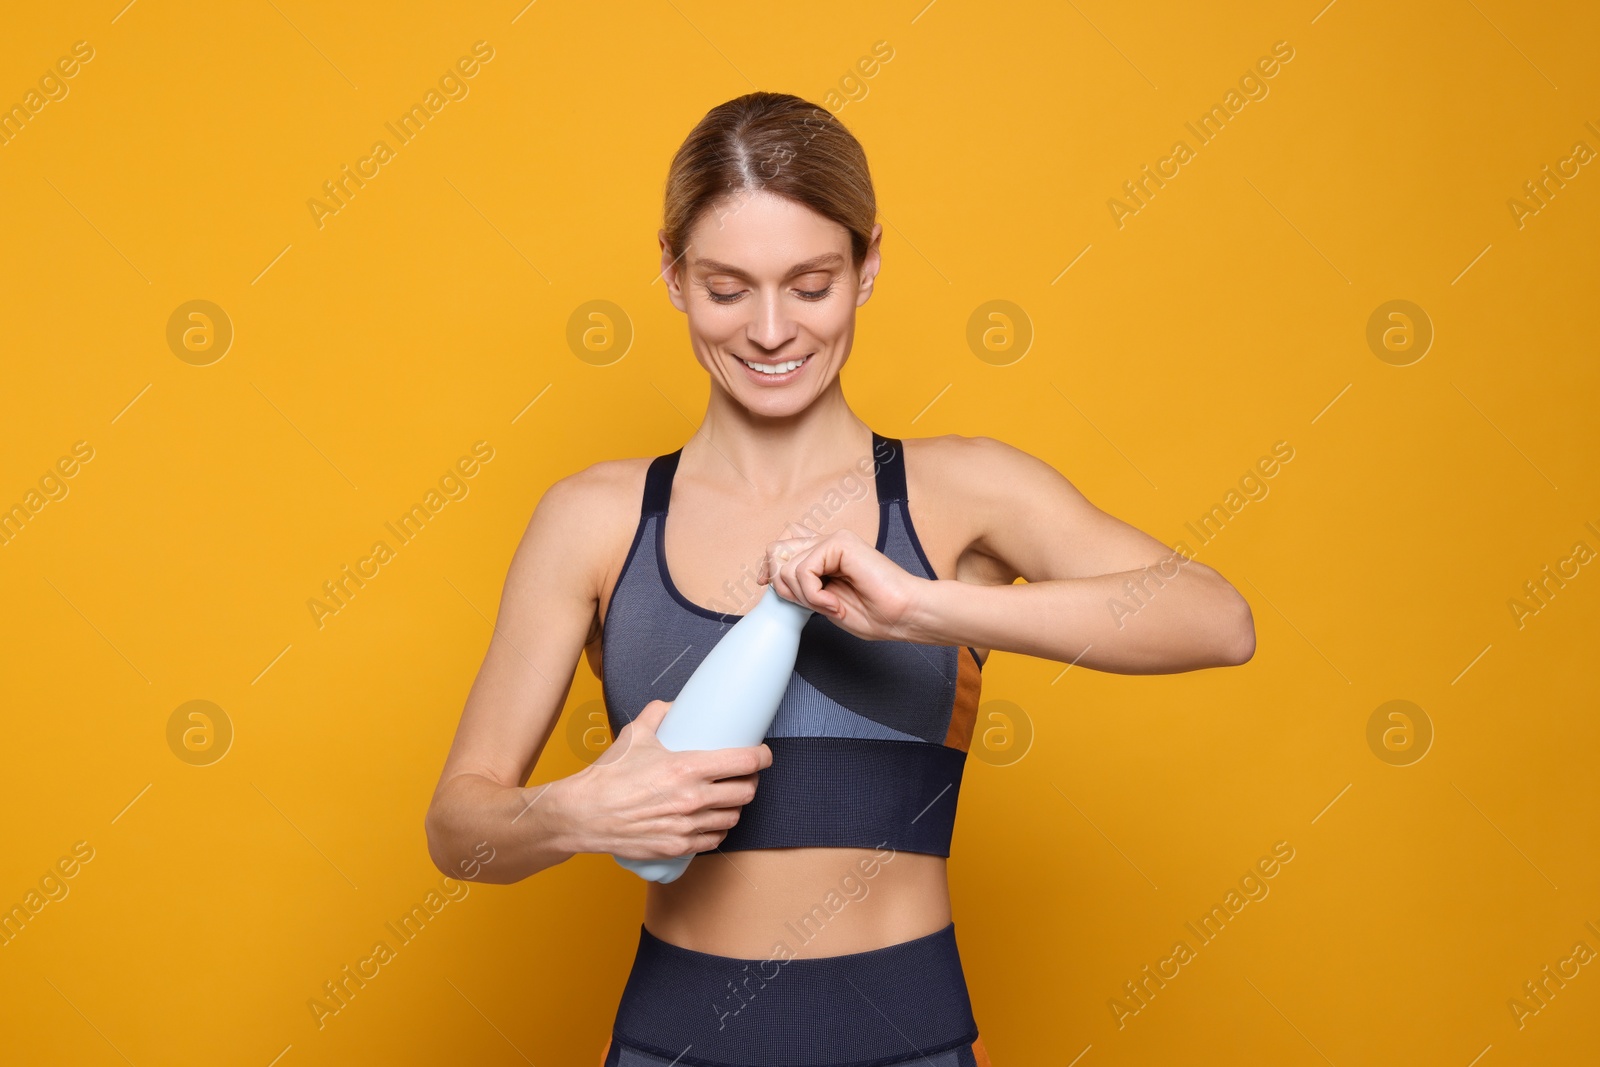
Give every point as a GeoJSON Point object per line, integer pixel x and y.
{"type": "Point", "coordinates": [900, 1004]}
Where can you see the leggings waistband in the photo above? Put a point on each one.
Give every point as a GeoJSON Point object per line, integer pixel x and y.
{"type": "Point", "coordinates": [864, 1009]}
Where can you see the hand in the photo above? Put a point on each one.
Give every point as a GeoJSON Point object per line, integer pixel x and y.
{"type": "Point", "coordinates": [866, 593]}
{"type": "Point", "coordinates": [645, 802]}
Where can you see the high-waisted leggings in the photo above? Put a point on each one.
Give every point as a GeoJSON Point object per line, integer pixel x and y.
{"type": "Point", "coordinates": [900, 1004]}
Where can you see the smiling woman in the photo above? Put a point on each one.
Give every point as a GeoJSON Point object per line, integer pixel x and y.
{"type": "Point", "coordinates": [868, 744]}
{"type": "Point", "coordinates": [789, 317]}
{"type": "Point", "coordinates": [769, 245]}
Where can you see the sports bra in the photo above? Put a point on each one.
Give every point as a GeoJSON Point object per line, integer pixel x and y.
{"type": "Point", "coordinates": [870, 738]}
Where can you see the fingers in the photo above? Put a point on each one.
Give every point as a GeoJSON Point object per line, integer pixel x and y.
{"type": "Point", "coordinates": [705, 804]}
{"type": "Point", "coordinates": [808, 573]}
{"type": "Point", "coordinates": [686, 801]}
{"type": "Point", "coordinates": [731, 792]}
{"type": "Point", "coordinates": [712, 802]}
{"type": "Point", "coordinates": [790, 565]}
{"type": "Point", "coordinates": [679, 835]}
{"type": "Point", "coordinates": [709, 828]}
{"type": "Point", "coordinates": [717, 763]}
{"type": "Point", "coordinates": [774, 564]}
{"type": "Point", "coordinates": [715, 778]}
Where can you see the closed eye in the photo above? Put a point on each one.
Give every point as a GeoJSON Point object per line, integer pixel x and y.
{"type": "Point", "coordinates": [806, 294]}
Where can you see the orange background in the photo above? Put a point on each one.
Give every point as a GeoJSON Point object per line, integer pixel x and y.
{"type": "Point", "coordinates": [432, 311]}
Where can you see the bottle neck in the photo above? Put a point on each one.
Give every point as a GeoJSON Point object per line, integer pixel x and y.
{"type": "Point", "coordinates": [775, 604]}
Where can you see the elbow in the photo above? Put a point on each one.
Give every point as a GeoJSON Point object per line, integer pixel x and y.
{"type": "Point", "coordinates": [435, 837]}
{"type": "Point", "coordinates": [448, 858]}
{"type": "Point", "coordinates": [440, 830]}
{"type": "Point", "coordinates": [1243, 649]}
{"type": "Point", "coordinates": [1241, 637]}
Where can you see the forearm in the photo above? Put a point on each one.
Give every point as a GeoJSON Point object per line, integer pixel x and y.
{"type": "Point", "coordinates": [528, 829]}
{"type": "Point", "coordinates": [1128, 622]}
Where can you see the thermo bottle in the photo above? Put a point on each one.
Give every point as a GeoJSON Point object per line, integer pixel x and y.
{"type": "Point", "coordinates": [732, 697]}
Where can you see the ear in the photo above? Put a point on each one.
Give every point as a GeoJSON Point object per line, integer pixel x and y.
{"type": "Point", "coordinates": [669, 271]}
{"type": "Point", "coordinates": [870, 265]}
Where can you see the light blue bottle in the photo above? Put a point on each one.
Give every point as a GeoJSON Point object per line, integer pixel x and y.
{"type": "Point", "coordinates": [732, 697]}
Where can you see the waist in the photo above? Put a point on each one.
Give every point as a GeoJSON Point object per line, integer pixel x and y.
{"type": "Point", "coordinates": [895, 1004]}
{"type": "Point", "coordinates": [818, 901]}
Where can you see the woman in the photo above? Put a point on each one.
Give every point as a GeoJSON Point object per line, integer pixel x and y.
{"type": "Point", "coordinates": [816, 927]}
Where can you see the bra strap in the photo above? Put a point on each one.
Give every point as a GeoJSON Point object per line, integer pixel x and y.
{"type": "Point", "coordinates": [889, 458]}
{"type": "Point", "coordinates": [658, 484]}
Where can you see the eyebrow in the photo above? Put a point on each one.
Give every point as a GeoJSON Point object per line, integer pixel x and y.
{"type": "Point", "coordinates": [827, 259]}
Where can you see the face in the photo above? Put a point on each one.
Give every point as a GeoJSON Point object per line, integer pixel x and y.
{"type": "Point", "coordinates": [770, 281]}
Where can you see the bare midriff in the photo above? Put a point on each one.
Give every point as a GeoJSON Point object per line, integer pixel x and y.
{"type": "Point", "coordinates": [783, 903]}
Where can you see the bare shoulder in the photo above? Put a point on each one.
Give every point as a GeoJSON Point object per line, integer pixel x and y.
{"type": "Point", "coordinates": [1020, 511]}
{"type": "Point", "coordinates": [955, 466]}
{"type": "Point", "coordinates": [1007, 512]}
{"type": "Point", "coordinates": [600, 489]}
{"type": "Point", "coordinates": [588, 509]}
{"type": "Point", "coordinates": [582, 524]}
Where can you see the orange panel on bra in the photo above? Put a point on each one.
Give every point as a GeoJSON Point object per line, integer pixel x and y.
{"type": "Point", "coordinates": [969, 683]}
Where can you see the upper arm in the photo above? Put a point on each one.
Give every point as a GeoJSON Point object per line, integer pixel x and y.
{"type": "Point", "coordinates": [1034, 523]}
{"type": "Point", "coordinates": [546, 610]}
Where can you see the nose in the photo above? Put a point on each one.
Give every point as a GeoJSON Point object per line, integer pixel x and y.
{"type": "Point", "coordinates": [772, 325]}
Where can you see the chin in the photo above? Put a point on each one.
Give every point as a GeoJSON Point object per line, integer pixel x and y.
{"type": "Point", "coordinates": [773, 407]}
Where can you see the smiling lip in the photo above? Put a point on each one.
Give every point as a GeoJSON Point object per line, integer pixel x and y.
{"type": "Point", "coordinates": [775, 379]}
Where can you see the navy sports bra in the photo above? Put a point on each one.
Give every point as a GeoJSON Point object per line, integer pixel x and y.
{"type": "Point", "coordinates": [870, 738]}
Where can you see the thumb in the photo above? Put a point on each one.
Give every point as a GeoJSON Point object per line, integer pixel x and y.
{"type": "Point", "coordinates": [652, 714]}
{"type": "Point", "coordinates": [643, 724]}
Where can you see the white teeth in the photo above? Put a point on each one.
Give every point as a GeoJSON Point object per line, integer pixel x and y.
{"type": "Point", "coordinates": [774, 368]}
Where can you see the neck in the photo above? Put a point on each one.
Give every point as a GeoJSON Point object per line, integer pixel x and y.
{"type": "Point", "coordinates": [775, 458]}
